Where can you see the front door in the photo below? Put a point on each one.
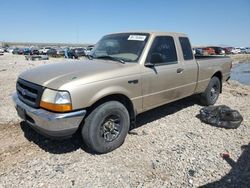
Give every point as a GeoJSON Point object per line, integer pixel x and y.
{"type": "Point", "coordinates": [162, 82]}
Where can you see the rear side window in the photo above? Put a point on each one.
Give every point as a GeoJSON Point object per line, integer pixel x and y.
{"type": "Point", "coordinates": [163, 51]}
{"type": "Point", "coordinates": [186, 48]}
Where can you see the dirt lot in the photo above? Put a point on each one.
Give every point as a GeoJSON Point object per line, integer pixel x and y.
{"type": "Point", "coordinates": [169, 147]}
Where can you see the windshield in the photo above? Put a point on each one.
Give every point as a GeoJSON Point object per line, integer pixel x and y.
{"type": "Point", "coordinates": [124, 46]}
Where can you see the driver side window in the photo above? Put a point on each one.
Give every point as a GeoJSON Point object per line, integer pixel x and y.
{"type": "Point", "coordinates": [163, 51]}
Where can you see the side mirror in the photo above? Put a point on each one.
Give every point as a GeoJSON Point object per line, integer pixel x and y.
{"type": "Point", "coordinates": [156, 58]}
{"type": "Point", "coordinates": [149, 65]}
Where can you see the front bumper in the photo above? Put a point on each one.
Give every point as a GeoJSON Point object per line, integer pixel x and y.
{"type": "Point", "coordinates": [48, 123]}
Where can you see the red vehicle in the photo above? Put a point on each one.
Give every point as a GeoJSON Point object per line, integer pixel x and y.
{"type": "Point", "coordinates": [228, 50]}
{"type": "Point", "coordinates": [208, 51]}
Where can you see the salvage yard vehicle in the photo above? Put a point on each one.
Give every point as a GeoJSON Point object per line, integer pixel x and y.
{"type": "Point", "coordinates": [72, 54]}
{"type": "Point", "coordinates": [10, 50]}
{"type": "Point", "coordinates": [208, 51]}
{"type": "Point", "coordinates": [15, 51]}
{"type": "Point", "coordinates": [51, 52]}
{"type": "Point", "coordinates": [55, 52]}
{"type": "Point", "coordinates": [44, 51]}
{"type": "Point", "coordinates": [36, 57]}
{"type": "Point", "coordinates": [80, 52]}
{"type": "Point", "coordinates": [34, 51]}
{"type": "Point", "coordinates": [235, 50]}
{"type": "Point", "coordinates": [1, 50]}
{"type": "Point", "coordinates": [218, 50]}
{"type": "Point", "coordinates": [247, 50]}
{"type": "Point", "coordinates": [126, 74]}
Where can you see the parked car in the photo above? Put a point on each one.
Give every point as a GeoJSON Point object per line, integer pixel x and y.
{"type": "Point", "coordinates": [217, 50]}
{"type": "Point", "coordinates": [44, 50]}
{"type": "Point", "coordinates": [52, 52]}
{"type": "Point", "coordinates": [15, 51]}
{"type": "Point", "coordinates": [34, 51]}
{"type": "Point", "coordinates": [101, 99]}
{"type": "Point", "coordinates": [242, 50]}
{"type": "Point", "coordinates": [80, 51]}
{"type": "Point", "coordinates": [235, 50]}
{"type": "Point", "coordinates": [198, 51]}
{"type": "Point", "coordinates": [1, 51]}
{"type": "Point", "coordinates": [72, 54]}
{"type": "Point", "coordinates": [247, 50]}
{"type": "Point", "coordinates": [228, 50]}
{"type": "Point", "coordinates": [88, 49]}
{"type": "Point", "coordinates": [55, 52]}
{"type": "Point", "coordinates": [24, 51]}
{"type": "Point", "coordinates": [60, 52]}
{"type": "Point", "coordinates": [10, 50]}
{"type": "Point", "coordinates": [208, 51]}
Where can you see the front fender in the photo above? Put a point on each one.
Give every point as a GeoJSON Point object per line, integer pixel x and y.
{"type": "Point", "coordinates": [86, 95]}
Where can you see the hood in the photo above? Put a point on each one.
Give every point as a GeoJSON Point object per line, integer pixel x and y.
{"type": "Point", "coordinates": [58, 74]}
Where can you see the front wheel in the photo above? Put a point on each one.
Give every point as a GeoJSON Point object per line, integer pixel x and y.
{"type": "Point", "coordinates": [106, 127]}
{"type": "Point", "coordinates": [211, 94]}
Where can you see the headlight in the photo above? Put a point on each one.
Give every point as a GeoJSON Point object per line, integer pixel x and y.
{"type": "Point", "coordinates": [58, 101]}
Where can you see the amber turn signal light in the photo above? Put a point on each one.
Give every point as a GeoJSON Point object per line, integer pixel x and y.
{"type": "Point", "coordinates": [56, 107]}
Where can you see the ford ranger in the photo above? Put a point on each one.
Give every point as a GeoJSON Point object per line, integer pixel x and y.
{"type": "Point", "coordinates": [125, 74]}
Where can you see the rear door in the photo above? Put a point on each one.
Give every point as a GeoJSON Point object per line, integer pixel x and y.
{"type": "Point", "coordinates": [190, 67]}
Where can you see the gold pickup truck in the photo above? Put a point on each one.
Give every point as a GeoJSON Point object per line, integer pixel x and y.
{"type": "Point", "coordinates": [124, 75]}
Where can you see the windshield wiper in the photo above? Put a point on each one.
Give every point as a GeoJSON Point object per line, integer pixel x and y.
{"type": "Point", "coordinates": [111, 58]}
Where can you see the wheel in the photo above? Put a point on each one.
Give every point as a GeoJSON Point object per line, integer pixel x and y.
{"type": "Point", "coordinates": [211, 94]}
{"type": "Point", "coordinates": [106, 127]}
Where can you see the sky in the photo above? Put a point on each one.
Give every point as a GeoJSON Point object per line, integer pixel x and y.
{"type": "Point", "coordinates": [206, 22]}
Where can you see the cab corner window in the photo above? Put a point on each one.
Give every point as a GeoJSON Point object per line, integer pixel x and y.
{"type": "Point", "coordinates": [186, 48]}
{"type": "Point", "coordinates": [162, 51]}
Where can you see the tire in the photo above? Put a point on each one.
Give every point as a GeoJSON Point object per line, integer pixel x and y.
{"type": "Point", "coordinates": [106, 127]}
{"type": "Point", "coordinates": [211, 94]}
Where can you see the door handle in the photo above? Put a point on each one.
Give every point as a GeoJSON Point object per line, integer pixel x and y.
{"type": "Point", "coordinates": [133, 81]}
{"type": "Point", "coordinates": [180, 70]}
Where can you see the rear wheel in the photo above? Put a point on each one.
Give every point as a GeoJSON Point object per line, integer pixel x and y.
{"type": "Point", "coordinates": [211, 94]}
{"type": "Point", "coordinates": [106, 127]}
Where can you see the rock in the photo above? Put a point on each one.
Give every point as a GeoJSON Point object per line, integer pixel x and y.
{"type": "Point", "coordinates": [190, 181]}
{"type": "Point", "coordinates": [153, 165]}
{"type": "Point", "coordinates": [144, 132]}
{"type": "Point", "coordinates": [59, 169]}
{"type": "Point", "coordinates": [191, 173]}
{"type": "Point", "coordinates": [72, 182]}
{"type": "Point", "coordinates": [132, 133]}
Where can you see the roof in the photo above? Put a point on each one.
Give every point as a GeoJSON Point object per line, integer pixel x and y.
{"type": "Point", "coordinates": [151, 32]}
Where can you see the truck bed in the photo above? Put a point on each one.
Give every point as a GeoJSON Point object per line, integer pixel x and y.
{"type": "Point", "coordinates": [210, 65]}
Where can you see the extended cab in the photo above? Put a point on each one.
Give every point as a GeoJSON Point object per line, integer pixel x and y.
{"type": "Point", "coordinates": [125, 74]}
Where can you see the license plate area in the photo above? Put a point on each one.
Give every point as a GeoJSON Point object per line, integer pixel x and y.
{"type": "Point", "coordinates": [21, 112]}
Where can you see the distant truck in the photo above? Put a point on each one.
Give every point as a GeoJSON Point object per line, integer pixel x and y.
{"type": "Point", "coordinates": [126, 74]}
{"type": "Point", "coordinates": [236, 50]}
{"type": "Point", "coordinates": [44, 50]}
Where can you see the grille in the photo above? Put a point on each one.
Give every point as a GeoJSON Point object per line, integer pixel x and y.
{"type": "Point", "coordinates": [29, 93]}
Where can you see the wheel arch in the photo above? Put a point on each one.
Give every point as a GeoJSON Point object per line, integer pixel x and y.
{"type": "Point", "coordinates": [218, 74]}
{"type": "Point", "coordinates": [115, 97]}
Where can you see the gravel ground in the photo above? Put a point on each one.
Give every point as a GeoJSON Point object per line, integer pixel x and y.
{"type": "Point", "coordinates": [169, 147]}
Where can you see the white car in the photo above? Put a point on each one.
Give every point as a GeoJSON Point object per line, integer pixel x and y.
{"type": "Point", "coordinates": [1, 50]}
{"type": "Point", "coordinates": [236, 50]}
{"type": "Point", "coordinates": [10, 50]}
{"type": "Point", "coordinates": [247, 50]}
{"type": "Point", "coordinates": [242, 50]}
{"type": "Point", "coordinates": [44, 50]}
